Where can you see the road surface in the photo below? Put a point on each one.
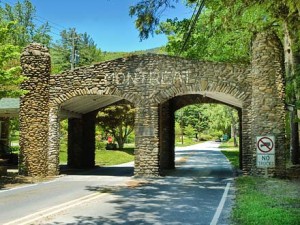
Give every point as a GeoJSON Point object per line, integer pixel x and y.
{"type": "Point", "coordinates": [198, 192]}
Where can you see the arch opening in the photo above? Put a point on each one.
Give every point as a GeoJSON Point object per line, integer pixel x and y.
{"type": "Point", "coordinates": [173, 131]}
{"type": "Point", "coordinates": [80, 143]}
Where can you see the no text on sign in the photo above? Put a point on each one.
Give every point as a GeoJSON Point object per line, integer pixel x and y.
{"type": "Point", "coordinates": [265, 144]}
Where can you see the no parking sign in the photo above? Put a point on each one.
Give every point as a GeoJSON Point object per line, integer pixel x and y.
{"type": "Point", "coordinates": [265, 151]}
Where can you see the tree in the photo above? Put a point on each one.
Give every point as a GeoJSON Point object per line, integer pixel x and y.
{"type": "Point", "coordinates": [10, 76]}
{"type": "Point", "coordinates": [24, 29]}
{"type": "Point", "coordinates": [194, 115]}
{"type": "Point", "coordinates": [117, 120]}
{"type": "Point", "coordinates": [189, 131]}
{"type": "Point", "coordinates": [216, 119]}
{"type": "Point", "coordinates": [74, 49]}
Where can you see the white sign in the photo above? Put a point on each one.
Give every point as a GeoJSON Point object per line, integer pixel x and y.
{"type": "Point", "coordinates": [265, 151]}
{"type": "Point", "coordinates": [266, 160]}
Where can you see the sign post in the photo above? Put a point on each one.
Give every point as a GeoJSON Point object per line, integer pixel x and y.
{"type": "Point", "coordinates": [265, 152]}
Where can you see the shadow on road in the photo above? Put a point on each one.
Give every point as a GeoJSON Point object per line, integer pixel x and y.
{"type": "Point", "coordinates": [187, 195]}
{"type": "Point", "coordinates": [126, 171]}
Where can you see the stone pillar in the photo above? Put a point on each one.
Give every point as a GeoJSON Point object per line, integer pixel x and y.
{"type": "Point", "coordinates": [81, 141]}
{"type": "Point", "coordinates": [54, 142]}
{"type": "Point", "coordinates": [4, 131]}
{"type": "Point", "coordinates": [146, 141]}
{"type": "Point", "coordinates": [166, 136]}
{"type": "Point", "coordinates": [246, 154]}
{"type": "Point", "coordinates": [268, 107]}
{"type": "Point", "coordinates": [34, 111]}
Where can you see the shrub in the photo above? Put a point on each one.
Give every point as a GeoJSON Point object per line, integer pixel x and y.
{"type": "Point", "coordinates": [204, 137]}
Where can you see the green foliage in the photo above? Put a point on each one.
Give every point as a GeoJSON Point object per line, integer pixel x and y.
{"type": "Point", "coordinates": [24, 29]}
{"type": "Point", "coordinates": [195, 115]}
{"type": "Point", "coordinates": [113, 55]}
{"type": "Point", "coordinates": [205, 137]}
{"type": "Point", "coordinates": [102, 157]}
{"type": "Point", "coordinates": [117, 120]}
{"type": "Point", "coordinates": [231, 152]}
{"type": "Point", "coordinates": [210, 40]}
{"type": "Point", "coordinates": [148, 14]}
{"type": "Point", "coordinates": [10, 76]}
{"type": "Point", "coordinates": [233, 157]}
{"type": "Point", "coordinates": [266, 201]}
{"type": "Point", "coordinates": [186, 141]}
{"type": "Point", "coordinates": [16, 31]}
{"type": "Point", "coordinates": [208, 121]}
{"type": "Point", "coordinates": [189, 131]}
{"type": "Point", "coordinates": [72, 43]}
{"type": "Point", "coordinates": [114, 157]}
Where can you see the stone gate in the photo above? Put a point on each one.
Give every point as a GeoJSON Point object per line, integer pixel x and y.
{"type": "Point", "coordinates": [157, 85]}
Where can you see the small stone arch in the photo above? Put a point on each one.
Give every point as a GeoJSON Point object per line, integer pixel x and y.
{"type": "Point", "coordinates": [149, 82]}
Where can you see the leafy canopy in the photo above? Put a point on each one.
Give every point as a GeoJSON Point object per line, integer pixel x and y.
{"type": "Point", "coordinates": [10, 76]}
{"type": "Point", "coordinates": [117, 120]}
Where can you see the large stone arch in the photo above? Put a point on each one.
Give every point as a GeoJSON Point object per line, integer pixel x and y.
{"type": "Point", "coordinates": [150, 81]}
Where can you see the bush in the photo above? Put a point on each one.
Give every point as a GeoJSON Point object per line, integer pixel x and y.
{"type": "Point", "coordinates": [111, 146]}
{"type": "Point", "coordinates": [100, 145]}
{"type": "Point", "coordinates": [205, 137]}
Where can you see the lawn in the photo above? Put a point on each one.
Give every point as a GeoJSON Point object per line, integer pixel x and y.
{"type": "Point", "coordinates": [263, 201]}
{"type": "Point", "coordinates": [266, 201]}
{"type": "Point", "coordinates": [105, 157]}
{"type": "Point", "coordinates": [231, 152]}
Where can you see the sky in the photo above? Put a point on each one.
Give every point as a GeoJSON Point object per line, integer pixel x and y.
{"type": "Point", "coordinates": [106, 21]}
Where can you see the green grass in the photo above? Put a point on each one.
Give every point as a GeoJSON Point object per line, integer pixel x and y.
{"type": "Point", "coordinates": [231, 152]}
{"type": "Point", "coordinates": [233, 157]}
{"type": "Point", "coordinates": [266, 201]}
{"type": "Point", "coordinates": [263, 201]}
{"type": "Point", "coordinates": [186, 141]}
{"type": "Point", "coordinates": [104, 157]}
{"type": "Point", "coordinates": [114, 157]}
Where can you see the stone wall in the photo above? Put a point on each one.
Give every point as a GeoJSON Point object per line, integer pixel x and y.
{"type": "Point", "coordinates": [157, 85]}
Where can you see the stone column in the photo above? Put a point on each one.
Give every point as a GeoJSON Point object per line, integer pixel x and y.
{"type": "Point", "coordinates": [166, 136]}
{"type": "Point", "coordinates": [246, 154]}
{"type": "Point", "coordinates": [54, 142]}
{"type": "Point", "coordinates": [4, 131]}
{"type": "Point", "coordinates": [146, 141]}
{"type": "Point", "coordinates": [81, 141]}
{"type": "Point", "coordinates": [268, 107]}
{"type": "Point", "coordinates": [34, 111]}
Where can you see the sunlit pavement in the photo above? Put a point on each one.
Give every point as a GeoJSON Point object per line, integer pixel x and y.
{"type": "Point", "coordinates": [191, 194]}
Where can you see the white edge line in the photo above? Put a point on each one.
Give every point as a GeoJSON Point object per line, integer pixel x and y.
{"type": "Point", "coordinates": [221, 205]}
{"type": "Point", "coordinates": [53, 210]}
{"type": "Point", "coordinates": [20, 187]}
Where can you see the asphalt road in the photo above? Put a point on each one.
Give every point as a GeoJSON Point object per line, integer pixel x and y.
{"type": "Point", "coordinates": [199, 191]}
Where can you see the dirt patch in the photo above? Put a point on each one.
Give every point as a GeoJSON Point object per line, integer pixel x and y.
{"type": "Point", "coordinates": [181, 161]}
{"type": "Point", "coordinates": [13, 179]}
{"type": "Point", "coordinates": [136, 183]}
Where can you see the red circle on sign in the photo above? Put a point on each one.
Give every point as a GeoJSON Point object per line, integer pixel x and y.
{"type": "Point", "coordinates": [261, 143]}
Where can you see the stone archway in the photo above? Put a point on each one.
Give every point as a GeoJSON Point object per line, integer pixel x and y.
{"type": "Point", "coordinates": [149, 82]}
{"type": "Point", "coordinates": [167, 123]}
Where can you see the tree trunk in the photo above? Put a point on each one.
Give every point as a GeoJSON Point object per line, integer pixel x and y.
{"type": "Point", "coordinates": [292, 97]}
{"type": "Point", "coordinates": [121, 143]}
{"type": "Point", "coordinates": [233, 133]}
